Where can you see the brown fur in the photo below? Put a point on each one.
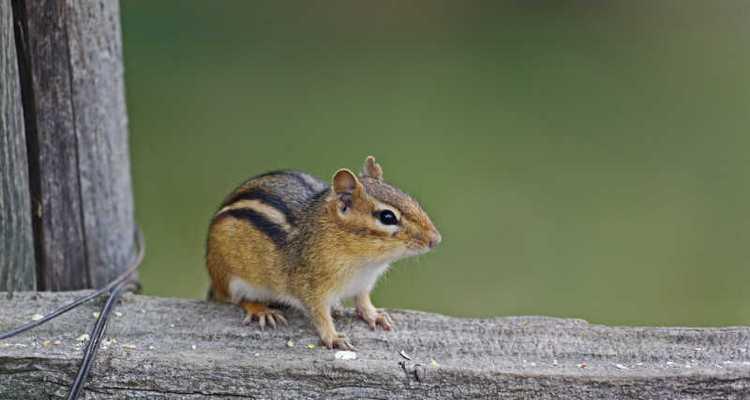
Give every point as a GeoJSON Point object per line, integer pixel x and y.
{"type": "Point", "coordinates": [332, 236]}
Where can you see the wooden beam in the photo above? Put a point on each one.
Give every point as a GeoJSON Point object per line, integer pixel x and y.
{"type": "Point", "coordinates": [74, 104]}
{"type": "Point", "coordinates": [183, 349]}
{"type": "Point", "coordinates": [17, 266]}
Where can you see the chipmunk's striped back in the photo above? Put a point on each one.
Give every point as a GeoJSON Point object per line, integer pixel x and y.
{"type": "Point", "coordinates": [273, 202]}
{"type": "Point", "coordinates": [251, 233]}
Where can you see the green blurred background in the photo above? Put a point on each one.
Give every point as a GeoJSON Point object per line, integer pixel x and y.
{"type": "Point", "coordinates": [581, 159]}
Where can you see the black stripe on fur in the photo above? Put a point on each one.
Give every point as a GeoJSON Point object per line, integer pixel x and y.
{"type": "Point", "coordinates": [266, 198]}
{"type": "Point", "coordinates": [276, 233]}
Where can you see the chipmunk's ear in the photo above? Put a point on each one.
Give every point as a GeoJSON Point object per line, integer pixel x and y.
{"type": "Point", "coordinates": [344, 181]}
{"type": "Point", "coordinates": [372, 169]}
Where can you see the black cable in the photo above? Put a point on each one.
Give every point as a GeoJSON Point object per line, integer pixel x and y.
{"type": "Point", "coordinates": [95, 340]}
{"type": "Point", "coordinates": [115, 289]}
{"type": "Point", "coordinates": [62, 310]}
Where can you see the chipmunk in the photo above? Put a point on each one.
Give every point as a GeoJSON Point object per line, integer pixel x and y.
{"type": "Point", "coordinates": [288, 237]}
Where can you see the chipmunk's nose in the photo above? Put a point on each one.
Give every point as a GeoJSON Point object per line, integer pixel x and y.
{"type": "Point", "coordinates": [435, 239]}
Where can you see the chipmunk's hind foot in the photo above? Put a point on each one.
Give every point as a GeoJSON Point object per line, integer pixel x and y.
{"type": "Point", "coordinates": [263, 314]}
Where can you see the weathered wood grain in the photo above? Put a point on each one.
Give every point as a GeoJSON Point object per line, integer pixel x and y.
{"type": "Point", "coordinates": [185, 349]}
{"type": "Point", "coordinates": [74, 103]}
{"type": "Point", "coordinates": [17, 266]}
{"type": "Point", "coordinates": [104, 163]}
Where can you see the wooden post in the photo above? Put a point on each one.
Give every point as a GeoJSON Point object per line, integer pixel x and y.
{"type": "Point", "coordinates": [71, 75]}
{"type": "Point", "coordinates": [17, 268]}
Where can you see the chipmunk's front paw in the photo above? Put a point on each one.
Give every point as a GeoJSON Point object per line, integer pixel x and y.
{"type": "Point", "coordinates": [338, 341]}
{"type": "Point", "coordinates": [376, 318]}
{"type": "Point", "coordinates": [262, 313]}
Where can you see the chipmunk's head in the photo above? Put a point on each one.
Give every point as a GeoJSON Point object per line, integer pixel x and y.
{"type": "Point", "coordinates": [387, 221]}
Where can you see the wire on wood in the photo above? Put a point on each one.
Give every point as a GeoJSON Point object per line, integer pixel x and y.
{"type": "Point", "coordinates": [115, 289]}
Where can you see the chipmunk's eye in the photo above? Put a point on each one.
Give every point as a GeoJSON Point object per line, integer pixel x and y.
{"type": "Point", "coordinates": [387, 217]}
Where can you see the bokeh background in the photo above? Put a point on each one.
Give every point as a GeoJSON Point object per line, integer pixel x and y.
{"type": "Point", "coordinates": [582, 159]}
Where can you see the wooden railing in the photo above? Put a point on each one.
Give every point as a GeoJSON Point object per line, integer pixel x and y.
{"type": "Point", "coordinates": [159, 348]}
